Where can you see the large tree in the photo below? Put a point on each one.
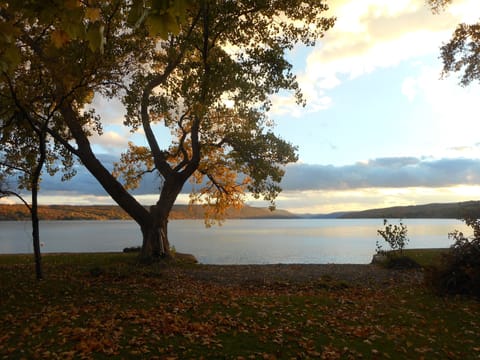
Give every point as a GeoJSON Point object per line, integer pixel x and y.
{"type": "Point", "coordinates": [462, 52]}
{"type": "Point", "coordinates": [209, 84]}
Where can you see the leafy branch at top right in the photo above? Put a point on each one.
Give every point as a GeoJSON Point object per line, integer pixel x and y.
{"type": "Point", "coordinates": [462, 52]}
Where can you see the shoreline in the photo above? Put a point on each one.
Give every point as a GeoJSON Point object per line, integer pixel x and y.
{"type": "Point", "coordinates": [364, 275]}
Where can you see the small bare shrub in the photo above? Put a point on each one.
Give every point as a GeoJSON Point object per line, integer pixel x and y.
{"type": "Point", "coordinates": [394, 235]}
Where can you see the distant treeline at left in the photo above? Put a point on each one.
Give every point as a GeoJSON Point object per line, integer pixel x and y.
{"type": "Point", "coordinates": [113, 212]}
{"type": "Point", "coordinates": [64, 212]}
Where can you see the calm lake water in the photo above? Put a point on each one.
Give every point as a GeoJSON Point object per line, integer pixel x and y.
{"type": "Point", "coordinates": [236, 241]}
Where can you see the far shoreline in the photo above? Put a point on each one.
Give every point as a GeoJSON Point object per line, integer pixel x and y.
{"type": "Point", "coordinates": [459, 210]}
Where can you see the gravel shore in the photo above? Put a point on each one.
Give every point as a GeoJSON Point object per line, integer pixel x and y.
{"type": "Point", "coordinates": [351, 274]}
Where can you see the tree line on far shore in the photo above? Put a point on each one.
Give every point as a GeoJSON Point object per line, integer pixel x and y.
{"type": "Point", "coordinates": [113, 212]}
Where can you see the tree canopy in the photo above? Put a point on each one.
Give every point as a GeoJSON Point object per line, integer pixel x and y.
{"type": "Point", "coordinates": [462, 52]}
{"type": "Point", "coordinates": [208, 81]}
{"type": "Point", "coordinates": [72, 20]}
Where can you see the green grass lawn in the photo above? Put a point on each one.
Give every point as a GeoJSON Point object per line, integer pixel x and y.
{"type": "Point", "coordinates": [107, 306]}
{"type": "Point", "coordinates": [426, 257]}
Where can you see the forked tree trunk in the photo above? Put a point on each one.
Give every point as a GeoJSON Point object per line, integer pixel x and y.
{"type": "Point", "coordinates": [155, 237]}
{"type": "Point", "coordinates": [163, 234]}
{"type": "Point", "coordinates": [151, 245]}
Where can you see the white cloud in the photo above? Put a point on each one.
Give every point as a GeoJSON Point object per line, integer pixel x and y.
{"type": "Point", "coordinates": [454, 109]}
{"type": "Point", "coordinates": [409, 88]}
{"type": "Point", "coordinates": [9, 200]}
{"type": "Point", "coordinates": [442, 94]}
{"type": "Point", "coordinates": [282, 105]}
{"type": "Point", "coordinates": [112, 141]}
{"type": "Point", "coordinates": [385, 34]}
{"type": "Point", "coordinates": [372, 34]}
{"type": "Point", "coordinates": [467, 11]}
{"type": "Point", "coordinates": [111, 110]}
{"type": "Point", "coordinates": [465, 151]}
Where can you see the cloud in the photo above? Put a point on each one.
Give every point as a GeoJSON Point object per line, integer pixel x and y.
{"type": "Point", "coordinates": [368, 35]}
{"type": "Point", "coordinates": [372, 34]}
{"type": "Point", "coordinates": [382, 173]}
{"type": "Point", "coordinates": [111, 110]}
{"type": "Point", "coordinates": [441, 94]}
{"type": "Point", "coordinates": [399, 172]}
{"type": "Point", "coordinates": [282, 105]}
{"type": "Point", "coordinates": [466, 151]}
{"type": "Point", "coordinates": [112, 141]}
{"type": "Point", "coordinates": [409, 88]}
{"type": "Point", "coordinates": [380, 182]}
{"type": "Point", "coordinates": [452, 112]}
{"type": "Point", "coordinates": [467, 11]}
{"type": "Point", "coordinates": [328, 201]}
{"type": "Point", "coordinates": [85, 184]}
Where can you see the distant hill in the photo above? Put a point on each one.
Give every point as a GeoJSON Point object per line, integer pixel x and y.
{"type": "Point", "coordinates": [334, 215]}
{"type": "Point", "coordinates": [111, 212]}
{"type": "Point", "coordinates": [428, 211]}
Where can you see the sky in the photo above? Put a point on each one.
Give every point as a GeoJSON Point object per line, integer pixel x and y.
{"type": "Point", "coordinates": [381, 127]}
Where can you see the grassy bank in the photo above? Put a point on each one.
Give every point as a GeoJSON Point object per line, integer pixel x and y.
{"type": "Point", "coordinates": [107, 306]}
{"type": "Point", "coordinates": [426, 257]}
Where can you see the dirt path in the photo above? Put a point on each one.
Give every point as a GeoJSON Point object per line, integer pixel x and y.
{"type": "Point", "coordinates": [353, 275]}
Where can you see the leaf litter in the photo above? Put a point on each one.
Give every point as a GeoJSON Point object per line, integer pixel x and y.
{"type": "Point", "coordinates": [182, 313]}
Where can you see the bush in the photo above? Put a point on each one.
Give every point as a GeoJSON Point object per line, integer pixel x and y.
{"type": "Point", "coordinates": [459, 269]}
{"type": "Point", "coordinates": [394, 235]}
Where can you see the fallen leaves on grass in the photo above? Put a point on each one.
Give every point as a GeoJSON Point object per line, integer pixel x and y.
{"type": "Point", "coordinates": [128, 312]}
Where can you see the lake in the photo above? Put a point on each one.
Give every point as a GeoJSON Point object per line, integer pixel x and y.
{"type": "Point", "coordinates": [236, 241]}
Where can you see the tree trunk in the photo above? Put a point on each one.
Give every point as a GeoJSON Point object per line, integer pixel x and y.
{"type": "Point", "coordinates": [42, 133]}
{"type": "Point", "coordinates": [153, 223]}
{"type": "Point", "coordinates": [151, 249]}
{"type": "Point", "coordinates": [155, 237]}
{"type": "Point", "coordinates": [163, 234]}
{"type": "Point", "coordinates": [36, 234]}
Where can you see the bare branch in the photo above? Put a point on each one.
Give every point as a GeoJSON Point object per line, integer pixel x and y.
{"type": "Point", "coordinates": [14, 167]}
{"type": "Point", "coordinates": [6, 193]}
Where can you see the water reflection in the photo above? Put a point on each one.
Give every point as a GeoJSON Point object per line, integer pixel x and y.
{"type": "Point", "coordinates": [237, 241]}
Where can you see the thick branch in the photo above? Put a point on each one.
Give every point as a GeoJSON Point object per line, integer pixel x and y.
{"type": "Point", "coordinates": [159, 157]}
{"type": "Point", "coordinates": [196, 148]}
{"type": "Point", "coordinates": [85, 153]}
{"type": "Point", "coordinates": [181, 147]}
{"type": "Point", "coordinates": [195, 160]}
{"type": "Point", "coordinates": [96, 168]}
